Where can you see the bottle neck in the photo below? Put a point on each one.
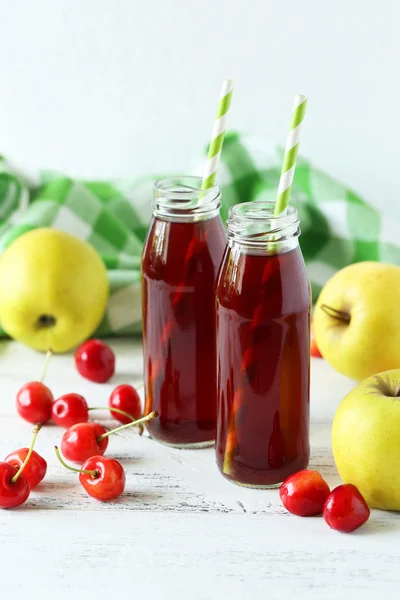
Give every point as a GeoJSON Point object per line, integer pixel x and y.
{"type": "Point", "coordinates": [181, 199]}
{"type": "Point", "coordinates": [254, 229]}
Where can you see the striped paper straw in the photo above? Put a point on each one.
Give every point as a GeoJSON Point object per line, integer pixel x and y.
{"type": "Point", "coordinates": [291, 150]}
{"type": "Point", "coordinates": [217, 137]}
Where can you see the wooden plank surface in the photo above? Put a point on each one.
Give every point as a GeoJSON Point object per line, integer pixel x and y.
{"type": "Point", "coordinates": [180, 530]}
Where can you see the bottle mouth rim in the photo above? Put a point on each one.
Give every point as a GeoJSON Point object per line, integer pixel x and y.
{"type": "Point", "coordinates": [181, 198]}
{"type": "Point", "coordinates": [255, 224]}
{"type": "Point", "coordinates": [262, 211]}
{"type": "Point", "coordinates": [182, 186]}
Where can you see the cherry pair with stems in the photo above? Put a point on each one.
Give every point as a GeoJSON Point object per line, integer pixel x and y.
{"type": "Point", "coordinates": [103, 478]}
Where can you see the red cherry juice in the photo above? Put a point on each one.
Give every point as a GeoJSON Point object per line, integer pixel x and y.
{"type": "Point", "coordinates": [179, 268]}
{"type": "Point", "coordinates": [263, 336]}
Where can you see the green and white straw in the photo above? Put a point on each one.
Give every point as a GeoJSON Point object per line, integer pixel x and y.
{"type": "Point", "coordinates": [217, 137]}
{"type": "Point", "coordinates": [291, 150]}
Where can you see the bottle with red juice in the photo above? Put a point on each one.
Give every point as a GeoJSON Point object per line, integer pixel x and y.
{"type": "Point", "coordinates": [180, 262]}
{"type": "Point", "coordinates": [263, 348]}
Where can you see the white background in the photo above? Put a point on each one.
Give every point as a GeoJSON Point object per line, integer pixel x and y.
{"type": "Point", "coordinates": [105, 88]}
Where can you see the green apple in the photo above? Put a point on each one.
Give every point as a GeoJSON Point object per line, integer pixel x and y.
{"type": "Point", "coordinates": [366, 439]}
{"type": "Point", "coordinates": [357, 319]}
{"type": "Point", "coordinates": [53, 290]}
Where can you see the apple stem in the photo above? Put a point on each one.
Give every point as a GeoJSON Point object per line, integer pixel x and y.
{"type": "Point", "coordinates": [91, 472]}
{"type": "Point", "coordinates": [120, 412]}
{"type": "Point", "coordinates": [49, 354]}
{"type": "Point", "coordinates": [339, 315]}
{"type": "Point", "coordinates": [36, 430]}
{"type": "Point", "coordinates": [148, 417]}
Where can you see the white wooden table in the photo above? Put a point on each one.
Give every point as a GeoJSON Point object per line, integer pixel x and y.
{"type": "Point", "coordinates": [180, 531]}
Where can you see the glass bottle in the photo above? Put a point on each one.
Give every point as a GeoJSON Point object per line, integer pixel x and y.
{"type": "Point", "coordinates": [181, 258]}
{"type": "Point", "coordinates": [263, 348]}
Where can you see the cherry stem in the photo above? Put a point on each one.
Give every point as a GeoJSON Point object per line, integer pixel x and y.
{"type": "Point", "coordinates": [36, 430]}
{"type": "Point", "coordinates": [91, 472]}
{"type": "Point", "coordinates": [148, 417]}
{"type": "Point", "coordinates": [49, 354]}
{"type": "Point", "coordinates": [339, 315]}
{"type": "Point", "coordinates": [117, 410]}
{"type": "Point", "coordinates": [120, 412]}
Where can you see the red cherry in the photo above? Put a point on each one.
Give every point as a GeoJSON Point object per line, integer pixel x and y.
{"type": "Point", "coordinates": [69, 410]}
{"type": "Point", "coordinates": [34, 402]}
{"type": "Point", "coordinates": [12, 494]}
{"type": "Point", "coordinates": [314, 350]}
{"type": "Point", "coordinates": [35, 468]}
{"type": "Point", "coordinates": [103, 478]}
{"type": "Point", "coordinates": [14, 486]}
{"type": "Point", "coordinates": [106, 480]}
{"type": "Point", "coordinates": [95, 361]}
{"type": "Point", "coordinates": [80, 441]}
{"type": "Point", "coordinates": [304, 493]}
{"type": "Point", "coordinates": [125, 398]}
{"type": "Point", "coordinates": [345, 509]}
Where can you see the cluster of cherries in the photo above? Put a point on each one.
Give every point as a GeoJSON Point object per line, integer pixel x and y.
{"type": "Point", "coordinates": [304, 494]}
{"type": "Point", "coordinates": [307, 494]}
{"type": "Point", "coordinates": [84, 442]}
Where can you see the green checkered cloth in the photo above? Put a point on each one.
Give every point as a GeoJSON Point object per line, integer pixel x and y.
{"type": "Point", "coordinates": [338, 227]}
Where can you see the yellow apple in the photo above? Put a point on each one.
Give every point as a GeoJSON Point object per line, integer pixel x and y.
{"type": "Point", "coordinates": [53, 290]}
{"type": "Point", "coordinates": [366, 439]}
{"type": "Point", "coordinates": [357, 319]}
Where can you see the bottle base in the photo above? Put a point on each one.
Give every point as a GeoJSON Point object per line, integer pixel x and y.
{"type": "Point", "coordinates": [184, 434]}
{"type": "Point", "coordinates": [186, 445]}
{"type": "Point", "coordinates": [256, 486]}
{"type": "Point", "coordinates": [262, 479]}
